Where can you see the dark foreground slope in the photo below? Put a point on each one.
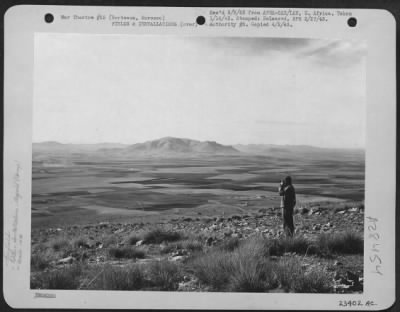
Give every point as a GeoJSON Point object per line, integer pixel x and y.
{"type": "Point", "coordinates": [238, 253]}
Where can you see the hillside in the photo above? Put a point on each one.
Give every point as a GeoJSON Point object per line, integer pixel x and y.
{"type": "Point", "coordinates": [170, 145]}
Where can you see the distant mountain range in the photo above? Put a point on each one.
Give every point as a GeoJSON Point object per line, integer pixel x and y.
{"type": "Point", "coordinates": [171, 146]}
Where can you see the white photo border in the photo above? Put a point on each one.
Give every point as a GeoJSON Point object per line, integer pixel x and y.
{"type": "Point", "coordinates": [376, 27]}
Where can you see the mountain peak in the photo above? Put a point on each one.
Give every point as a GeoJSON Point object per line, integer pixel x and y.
{"type": "Point", "coordinates": [172, 145]}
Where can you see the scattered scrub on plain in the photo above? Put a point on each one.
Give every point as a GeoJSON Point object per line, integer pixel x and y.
{"type": "Point", "coordinates": [127, 252]}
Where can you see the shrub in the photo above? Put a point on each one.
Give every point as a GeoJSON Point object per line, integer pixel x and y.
{"type": "Point", "coordinates": [293, 277]}
{"type": "Point", "coordinates": [191, 244]}
{"type": "Point", "coordinates": [298, 244]}
{"type": "Point", "coordinates": [110, 240]}
{"type": "Point", "coordinates": [164, 275]}
{"type": "Point", "coordinates": [213, 268]}
{"type": "Point", "coordinates": [59, 243]}
{"type": "Point", "coordinates": [347, 243]}
{"type": "Point", "coordinates": [230, 244]}
{"type": "Point", "coordinates": [65, 278]}
{"type": "Point", "coordinates": [253, 272]}
{"type": "Point", "coordinates": [40, 260]}
{"type": "Point", "coordinates": [168, 248]}
{"type": "Point", "coordinates": [157, 236]}
{"type": "Point", "coordinates": [127, 252]}
{"type": "Point", "coordinates": [133, 239]}
{"type": "Point", "coordinates": [79, 242]}
{"type": "Point", "coordinates": [246, 268]}
{"type": "Point", "coordinates": [129, 277]}
{"type": "Point", "coordinates": [313, 282]}
{"type": "Point", "coordinates": [288, 270]}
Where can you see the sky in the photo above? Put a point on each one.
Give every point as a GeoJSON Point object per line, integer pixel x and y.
{"type": "Point", "coordinates": [233, 90]}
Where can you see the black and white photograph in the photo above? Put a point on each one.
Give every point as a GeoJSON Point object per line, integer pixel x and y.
{"type": "Point", "coordinates": [199, 158]}
{"type": "Point", "coordinates": [198, 164]}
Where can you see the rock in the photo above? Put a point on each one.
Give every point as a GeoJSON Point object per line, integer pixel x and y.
{"type": "Point", "coordinates": [118, 231]}
{"type": "Point", "coordinates": [341, 212]}
{"type": "Point", "coordinates": [188, 219]}
{"type": "Point", "coordinates": [209, 241]}
{"type": "Point", "coordinates": [344, 281]}
{"type": "Point", "coordinates": [58, 230]}
{"type": "Point", "coordinates": [67, 260]}
{"type": "Point", "coordinates": [236, 217]}
{"type": "Point", "coordinates": [337, 263]}
{"type": "Point", "coordinates": [177, 258]}
{"type": "Point", "coordinates": [100, 259]}
{"type": "Point", "coordinates": [139, 243]}
{"type": "Point", "coordinates": [316, 227]}
{"type": "Point", "coordinates": [228, 232]}
{"type": "Point", "coordinates": [352, 277]}
{"type": "Point", "coordinates": [238, 235]}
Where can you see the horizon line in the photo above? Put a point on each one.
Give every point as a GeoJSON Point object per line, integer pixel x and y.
{"type": "Point", "coordinates": [273, 144]}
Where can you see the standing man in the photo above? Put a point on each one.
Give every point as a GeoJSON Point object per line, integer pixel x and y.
{"type": "Point", "coordinates": [288, 201]}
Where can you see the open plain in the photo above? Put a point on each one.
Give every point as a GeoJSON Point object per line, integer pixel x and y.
{"type": "Point", "coordinates": [100, 215]}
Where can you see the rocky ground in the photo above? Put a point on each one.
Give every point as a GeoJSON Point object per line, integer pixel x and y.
{"type": "Point", "coordinates": [55, 248]}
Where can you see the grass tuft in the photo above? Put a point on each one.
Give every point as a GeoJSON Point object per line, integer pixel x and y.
{"type": "Point", "coordinates": [293, 277]}
{"type": "Point", "coordinates": [59, 243]}
{"type": "Point", "coordinates": [298, 244]}
{"type": "Point", "coordinates": [129, 277]}
{"type": "Point", "coordinates": [157, 236]}
{"type": "Point", "coordinates": [133, 239]}
{"type": "Point", "coordinates": [65, 278]}
{"type": "Point", "coordinates": [230, 244]}
{"type": "Point", "coordinates": [127, 252]}
{"type": "Point", "coordinates": [164, 275]}
{"type": "Point", "coordinates": [346, 243]}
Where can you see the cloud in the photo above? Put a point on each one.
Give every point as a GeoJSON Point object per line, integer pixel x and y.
{"type": "Point", "coordinates": [252, 46]}
{"type": "Point", "coordinates": [336, 53]}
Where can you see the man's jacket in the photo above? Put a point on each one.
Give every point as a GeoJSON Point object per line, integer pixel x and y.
{"type": "Point", "coordinates": [288, 197]}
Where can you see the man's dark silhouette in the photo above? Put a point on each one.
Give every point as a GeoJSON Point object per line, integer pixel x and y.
{"type": "Point", "coordinates": [286, 190]}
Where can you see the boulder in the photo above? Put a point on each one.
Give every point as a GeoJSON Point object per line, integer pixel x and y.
{"type": "Point", "coordinates": [139, 243]}
{"type": "Point", "coordinates": [67, 260]}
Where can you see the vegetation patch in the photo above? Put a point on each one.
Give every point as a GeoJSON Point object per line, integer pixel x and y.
{"type": "Point", "coordinates": [127, 252]}
{"type": "Point", "coordinates": [157, 236]}
{"type": "Point", "coordinates": [346, 243]}
{"type": "Point", "coordinates": [129, 277]}
{"type": "Point", "coordinates": [164, 275]}
{"type": "Point", "coordinates": [65, 278]}
{"type": "Point", "coordinates": [59, 243]}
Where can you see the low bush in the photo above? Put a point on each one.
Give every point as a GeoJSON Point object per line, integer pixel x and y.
{"type": "Point", "coordinates": [59, 243]}
{"type": "Point", "coordinates": [293, 277]}
{"type": "Point", "coordinates": [245, 268]}
{"type": "Point", "coordinates": [157, 236]}
{"type": "Point", "coordinates": [213, 268]}
{"type": "Point", "coordinates": [110, 240]}
{"type": "Point", "coordinates": [65, 278]}
{"type": "Point", "coordinates": [133, 239]}
{"type": "Point", "coordinates": [164, 275]}
{"type": "Point", "coordinates": [230, 244]}
{"type": "Point", "coordinates": [40, 260]}
{"type": "Point", "coordinates": [192, 244]}
{"type": "Point", "coordinates": [127, 252]}
{"type": "Point", "coordinates": [79, 242]}
{"type": "Point", "coordinates": [298, 244]}
{"type": "Point", "coordinates": [346, 243]}
{"type": "Point", "coordinates": [253, 272]}
{"type": "Point", "coordinates": [129, 277]}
